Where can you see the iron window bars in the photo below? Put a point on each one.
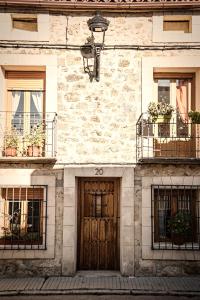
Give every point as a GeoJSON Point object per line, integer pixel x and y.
{"type": "Point", "coordinates": [175, 215]}
{"type": "Point", "coordinates": [23, 217]}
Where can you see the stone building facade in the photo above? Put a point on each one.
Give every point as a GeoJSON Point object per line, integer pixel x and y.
{"type": "Point", "coordinates": [110, 180]}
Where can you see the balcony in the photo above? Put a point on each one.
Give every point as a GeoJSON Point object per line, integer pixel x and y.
{"type": "Point", "coordinates": [175, 139]}
{"type": "Point", "coordinates": [27, 136]}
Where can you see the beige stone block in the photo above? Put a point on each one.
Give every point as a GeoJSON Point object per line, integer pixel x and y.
{"type": "Point", "coordinates": [167, 254]}
{"type": "Point", "coordinates": [127, 217]}
{"type": "Point", "coordinates": [51, 215]}
{"type": "Point", "coordinates": [127, 261]}
{"type": "Point", "coordinates": [128, 178]}
{"type": "Point", "coordinates": [178, 255]}
{"type": "Point", "coordinates": [69, 178]}
{"type": "Point", "coordinates": [147, 182]}
{"type": "Point", "coordinates": [157, 254]}
{"type": "Point", "coordinates": [18, 254]}
{"type": "Point", "coordinates": [69, 261]}
{"type": "Point", "coordinates": [69, 197]}
{"type": "Point", "coordinates": [177, 180]}
{"type": "Point", "coordinates": [68, 236]}
{"type": "Point", "coordinates": [50, 253]}
{"type": "Point", "coordinates": [146, 236]}
{"type": "Point", "coordinates": [127, 197]}
{"type": "Point", "coordinates": [127, 235]}
{"type": "Point", "coordinates": [50, 235]}
{"type": "Point", "coordinates": [146, 198]}
{"type": "Point", "coordinates": [146, 217]}
{"type": "Point", "coordinates": [189, 255]}
{"type": "Point", "coordinates": [197, 255]}
{"type": "Point", "coordinates": [147, 253]}
{"type": "Point", "coordinates": [46, 180]}
{"type": "Point", "coordinates": [189, 180]}
{"type": "Point", "coordinates": [69, 216]}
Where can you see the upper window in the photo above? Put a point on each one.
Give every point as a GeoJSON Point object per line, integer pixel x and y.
{"type": "Point", "coordinates": [25, 99]}
{"type": "Point", "coordinates": [24, 122]}
{"type": "Point", "coordinates": [176, 217]}
{"type": "Point", "coordinates": [24, 27]}
{"type": "Point", "coordinates": [174, 137]}
{"type": "Point", "coordinates": [176, 28]}
{"type": "Point", "coordinates": [177, 23]}
{"type": "Point", "coordinates": [23, 217]}
{"type": "Point", "coordinates": [24, 22]}
{"type": "Point", "coordinates": [177, 90]}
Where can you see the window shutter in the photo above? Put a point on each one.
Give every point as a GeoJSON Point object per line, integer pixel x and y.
{"type": "Point", "coordinates": [23, 193]}
{"type": "Point", "coordinates": [27, 80]}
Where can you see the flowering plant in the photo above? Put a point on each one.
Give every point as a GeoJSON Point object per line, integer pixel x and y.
{"type": "Point", "coordinates": [11, 139]}
{"type": "Point", "coordinates": [36, 137]}
{"type": "Point", "coordinates": [194, 116]}
{"type": "Point", "coordinates": [160, 108]}
{"type": "Point", "coordinates": [181, 223]}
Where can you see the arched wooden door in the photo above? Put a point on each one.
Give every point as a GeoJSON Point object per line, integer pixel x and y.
{"type": "Point", "coordinates": [98, 224]}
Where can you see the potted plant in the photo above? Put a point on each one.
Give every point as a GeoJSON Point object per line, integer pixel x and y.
{"type": "Point", "coordinates": [194, 116]}
{"type": "Point", "coordinates": [35, 140]}
{"type": "Point", "coordinates": [180, 226]}
{"type": "Point", "coordinates": [160, 112]}
{"type": "Point", "coordinates": [11, 142]}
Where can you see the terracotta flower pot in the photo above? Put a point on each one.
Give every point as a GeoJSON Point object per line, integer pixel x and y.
{"type": "Point", "coordinates": [34, 151]}
{"type": "Point", "coordinates": [10, 151]}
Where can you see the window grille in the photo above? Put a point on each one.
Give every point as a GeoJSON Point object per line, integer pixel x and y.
{"type": "Point", "coordinates": [23, 216]}
{"type": "Point", "coordinates": [175, 217]}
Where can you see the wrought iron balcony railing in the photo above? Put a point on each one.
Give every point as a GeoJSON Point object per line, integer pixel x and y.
{"type": "Point", "coordinates": [175, 137]}
{"type": "Point", "coordinates": [27, 135]}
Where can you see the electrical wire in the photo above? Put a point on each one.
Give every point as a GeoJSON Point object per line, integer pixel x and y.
{"type": "Point", "coordinates": [160, 47]}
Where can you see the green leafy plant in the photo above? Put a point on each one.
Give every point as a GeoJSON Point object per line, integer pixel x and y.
{"type": "Point", "coordinates": [11, 139]}
{"type": "Point", "coordinates": [159, 109]}
{"type": "Point", "coordinates": [181, 223]}
{"type": "Point", "coordinates": [194, 116]}
{"type": "Point", "coordinates": [36, 137]}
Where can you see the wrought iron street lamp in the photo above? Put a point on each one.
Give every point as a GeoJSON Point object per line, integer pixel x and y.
{"type": "Point", "coordinates": [95, 43]}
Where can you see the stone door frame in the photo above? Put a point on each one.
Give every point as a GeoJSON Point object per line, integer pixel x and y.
{"type": "Point", "coordinates": [71, 175]}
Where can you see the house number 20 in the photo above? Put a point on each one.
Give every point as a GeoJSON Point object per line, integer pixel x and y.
{"type": "Point", "coordinates": [98, 171]}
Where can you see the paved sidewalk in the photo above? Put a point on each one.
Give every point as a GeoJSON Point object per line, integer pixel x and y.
{"type": "Point", "coordinates": [188, 286]}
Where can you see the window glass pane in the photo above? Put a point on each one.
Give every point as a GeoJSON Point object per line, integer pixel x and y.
{"type": "Point", "coordinates": [164, 90]}
{"type": "Point", "coordinates": [34, 216]}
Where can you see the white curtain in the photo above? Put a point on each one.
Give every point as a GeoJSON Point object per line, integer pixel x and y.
{"type": "Point", "coordinates": [36, 107]}
{"type": "Point", "coordinates": [17, 107]}
{"type": "Point", "coordinates": [15, 100]}
{"type": "Point", "coordinates": [37, 101]}
{"type": "Point", "coordinates": [182, 99]}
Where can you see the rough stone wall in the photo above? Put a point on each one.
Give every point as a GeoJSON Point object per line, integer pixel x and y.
{"type": "Point", "coordinates": [40, 267]}
{"type": "Point", "coordinates": [97, 120]}
{"type": "Point", "coordinates": [160, 266]}
{"type": "Point", "coordinates": [123, 28]}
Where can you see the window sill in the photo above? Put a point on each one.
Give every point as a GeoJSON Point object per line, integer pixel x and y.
{"type": "Point", "coordinates": [170, 246]}
{"type": "Point", "coordinates": [35, 160]}
{"type": "Point", "coordinates": [164, 160]}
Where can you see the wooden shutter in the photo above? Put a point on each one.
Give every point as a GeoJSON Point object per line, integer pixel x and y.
{"type": "Point", "coordinates": [26, 22]}
{"type": "Point", "coordinates": [23, 193]}
{"type": "Point", "coordinates": [25, 80]}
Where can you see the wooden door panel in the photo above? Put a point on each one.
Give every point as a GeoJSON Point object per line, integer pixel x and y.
{"type": "Point", "coordinates": [98, 224]}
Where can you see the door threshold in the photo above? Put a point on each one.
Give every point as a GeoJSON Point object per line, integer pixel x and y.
{"type": "Point", "coordinates": [98, 273]}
